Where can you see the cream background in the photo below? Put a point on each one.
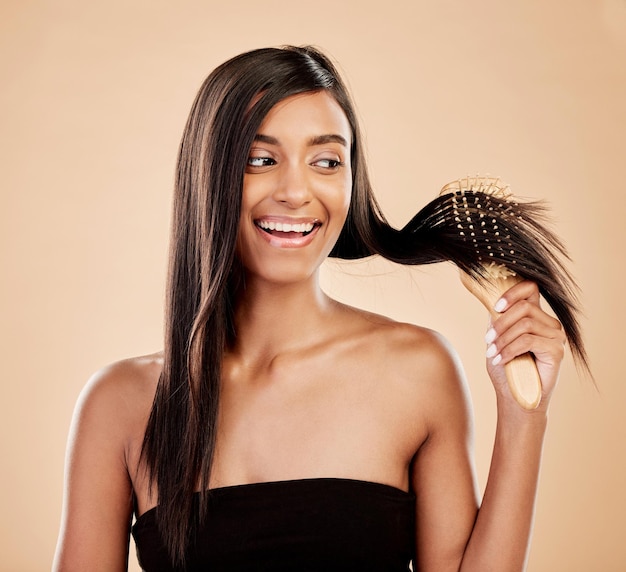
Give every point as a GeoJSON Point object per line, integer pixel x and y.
{"type": "Point", "coordinates": [93, 101]}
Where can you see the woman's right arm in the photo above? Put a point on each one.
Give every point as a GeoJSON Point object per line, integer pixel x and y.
{"type": "Point", "coordinates": [97, 504]}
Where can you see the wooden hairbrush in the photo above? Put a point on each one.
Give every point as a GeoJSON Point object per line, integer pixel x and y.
{"type": "Point", "coordinates": [491, 238]}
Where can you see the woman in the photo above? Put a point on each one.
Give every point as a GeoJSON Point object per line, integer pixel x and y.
{"type": "Point", "coordinates": [327, 438]}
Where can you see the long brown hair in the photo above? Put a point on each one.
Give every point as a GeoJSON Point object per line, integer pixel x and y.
{"type": "Point", "coordinates": [179, 442]}
{"type": "Point", "coordinates": [204, 273]}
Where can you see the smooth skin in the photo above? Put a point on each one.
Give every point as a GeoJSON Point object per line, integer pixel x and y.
{"type": "Point", "coordinates": [314, 388]}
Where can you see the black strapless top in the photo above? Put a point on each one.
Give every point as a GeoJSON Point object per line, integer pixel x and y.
{"type": "Point", "coordinates": [320, 525]}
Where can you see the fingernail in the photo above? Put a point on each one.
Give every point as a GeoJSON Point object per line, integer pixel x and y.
{"type": "Point", "coordinates": [496, 360]}
{"type": "Point", "coordinates": [500, 305]}
{"type": "Point", "coordinates": [492, 350]}
{"type": "Point", "coordinates": [490, 335]}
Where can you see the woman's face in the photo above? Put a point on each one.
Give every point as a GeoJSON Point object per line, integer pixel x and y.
{"type": "Point", "coordinates": [296, 189]}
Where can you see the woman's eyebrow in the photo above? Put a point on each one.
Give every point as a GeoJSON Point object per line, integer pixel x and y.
{"type": "Point", "coordinates": [315, 140]}
{"type": "Point", "coordinates": [266, 139]}
{"type": "Point", "coordinates": [329, 138]}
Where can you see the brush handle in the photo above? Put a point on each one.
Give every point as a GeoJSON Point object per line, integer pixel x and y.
{"type": "Point", "coordinates": [521, 372]}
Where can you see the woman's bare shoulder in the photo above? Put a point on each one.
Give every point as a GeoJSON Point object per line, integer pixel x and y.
{"type": "Point", "coordinates": [417, 361]}
{"type": "Point", "coordinates": [122, 392]}
{"type": "Point", "coordinates": [403, 341]}
{"type": "Point", "coordinates": [130, 373]}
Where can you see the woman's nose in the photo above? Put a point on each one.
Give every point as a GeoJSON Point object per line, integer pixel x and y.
{"type": "Point", "coordinates": [293, 187]}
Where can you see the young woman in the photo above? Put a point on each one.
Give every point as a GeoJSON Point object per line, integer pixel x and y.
{"type": "Point", "coordinates": [280, 429]}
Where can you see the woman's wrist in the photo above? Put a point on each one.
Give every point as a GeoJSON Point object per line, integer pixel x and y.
{"type": "Point", "coordinates": [511, 412]}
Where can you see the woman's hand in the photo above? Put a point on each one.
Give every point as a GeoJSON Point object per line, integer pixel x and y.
{"type": "Point", "coordinates": [521, 327]}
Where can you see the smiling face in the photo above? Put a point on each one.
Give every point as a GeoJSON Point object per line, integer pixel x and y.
{"type": "Point", "coordinates": [296, 189]}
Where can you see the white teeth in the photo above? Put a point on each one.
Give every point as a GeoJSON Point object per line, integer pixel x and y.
{"type": "Point", "coordinates": [285, 226]}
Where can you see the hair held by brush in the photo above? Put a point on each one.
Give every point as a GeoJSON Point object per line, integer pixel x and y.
{"type": "Point", "coordinates": [478, 225]}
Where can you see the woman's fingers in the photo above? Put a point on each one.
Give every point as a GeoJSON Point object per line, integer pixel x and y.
{"type": "Point", "coordinates": [546, 350]}
{"type": "Point", "coordinates": [525, 318]}
{"type": "Point", "coordinates": [525, 290]}
{"type": "Point", "coordinates": [523, 327]}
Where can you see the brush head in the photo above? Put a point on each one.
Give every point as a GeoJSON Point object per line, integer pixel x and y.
{"type": "Point", "coordinates": [487, 219]}
{"type": "Point", "coordinates": [491, 235]}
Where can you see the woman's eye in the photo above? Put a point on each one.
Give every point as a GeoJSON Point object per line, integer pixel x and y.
{"type": "Point", "coordinates": [331, 164]}
{"type": "Point", "coordinates": [260, 161]}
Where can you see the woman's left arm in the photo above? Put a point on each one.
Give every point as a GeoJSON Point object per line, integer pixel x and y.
{"type": "Point", "coordinates": [507, 508]}
{"type": "Point", "coordinates": [498, 534]}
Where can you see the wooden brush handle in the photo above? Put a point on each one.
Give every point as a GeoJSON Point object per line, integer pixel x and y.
{"type": "Point", "coordinates": [521, 372]}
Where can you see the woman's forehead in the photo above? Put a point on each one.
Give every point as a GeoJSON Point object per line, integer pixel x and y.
{"type": "Point", "coordinates": [316, 113]}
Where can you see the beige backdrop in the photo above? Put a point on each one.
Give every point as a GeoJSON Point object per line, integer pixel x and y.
{"type": "Point", "coordinates": [93, 100]}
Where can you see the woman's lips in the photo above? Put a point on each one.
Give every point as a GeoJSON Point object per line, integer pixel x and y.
{"type": "Point", "coordinates": [271, 226]}
{"type": "Point", "coordinates": [287, 233]}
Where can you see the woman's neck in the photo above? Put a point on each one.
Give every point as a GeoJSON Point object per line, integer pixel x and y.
{"type": "Point", "coordinates": [273, 318]}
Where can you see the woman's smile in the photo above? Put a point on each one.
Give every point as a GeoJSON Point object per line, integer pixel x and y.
{"type": "Point", "coordinates": [285, 232]}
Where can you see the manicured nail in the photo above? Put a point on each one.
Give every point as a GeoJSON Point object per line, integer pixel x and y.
{"type": "Point", "coordinates": [490, 335]}
{"type": "Point", "coordinates": [492, 350]}
{"type": "Point", "coordinates": [496, 360]}
{"type": "Point", "coordinates": [500, 305]}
